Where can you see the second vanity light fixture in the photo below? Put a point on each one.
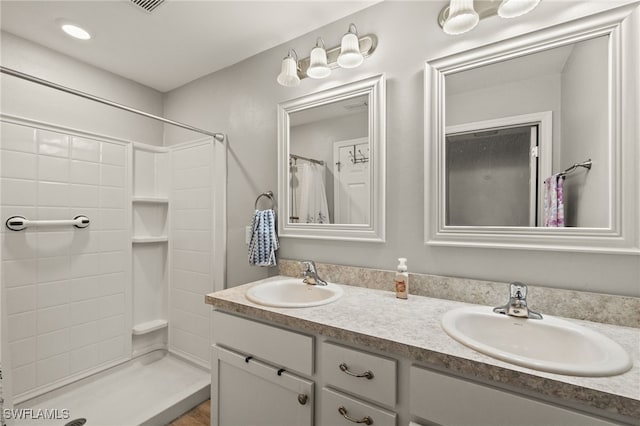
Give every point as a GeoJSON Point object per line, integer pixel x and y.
{"type": "Point", "coordinates": [463, 15]}
{"type": "Point", "coordinates": [350, 54]}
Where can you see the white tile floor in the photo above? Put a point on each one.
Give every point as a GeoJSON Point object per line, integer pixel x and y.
{"type": "Point", "coordinates": [152, 390]}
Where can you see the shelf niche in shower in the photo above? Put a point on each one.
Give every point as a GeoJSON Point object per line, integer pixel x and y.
{"type": "Point", "coordinates": [150, 217]}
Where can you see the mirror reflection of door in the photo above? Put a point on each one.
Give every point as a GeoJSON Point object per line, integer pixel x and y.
{"type": "Point", "coordinates": [351, 181]}
{"type": "Point", "coordinates": [492, 177]}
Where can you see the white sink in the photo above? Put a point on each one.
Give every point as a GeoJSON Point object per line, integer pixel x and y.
{"type": "Point", "coordinates": [549, 344]}
{"type": "Point", "coordinates": [293, 293]}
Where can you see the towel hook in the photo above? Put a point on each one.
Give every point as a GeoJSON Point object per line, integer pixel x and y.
{"type": "Point", "coordinates": [269, 195]}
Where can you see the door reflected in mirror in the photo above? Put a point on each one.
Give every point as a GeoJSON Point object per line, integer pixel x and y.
{"type": "Point", "coordinates": [329, 174]}
{"type": "Point", "coordinates": [513, 127]}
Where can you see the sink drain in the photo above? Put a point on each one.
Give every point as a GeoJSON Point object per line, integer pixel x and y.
{"type": "Point", "coordinates": [76, 422]}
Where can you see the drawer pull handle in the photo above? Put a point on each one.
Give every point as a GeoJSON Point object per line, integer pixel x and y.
{"type": "Point", "coordinates": [368, 374]}
{"type": "Point", "coordinates": [302, 398]}
{"type": "Point", "coordinates": [366, 419]}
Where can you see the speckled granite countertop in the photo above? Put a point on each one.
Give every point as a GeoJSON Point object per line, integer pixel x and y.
{"type": "Point", "coordinates": [411, 328]}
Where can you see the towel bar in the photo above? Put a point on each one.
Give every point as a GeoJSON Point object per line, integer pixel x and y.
{"type": "Point", "coordinates": [18, 223]}
{"type": "Point", "coordinates": [269, 195]}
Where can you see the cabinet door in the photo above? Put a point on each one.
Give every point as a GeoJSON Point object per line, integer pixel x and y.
{"type": "Point", "coordinates": [451, 401]}
{"type": "Point", "coordinates": [249, 392]}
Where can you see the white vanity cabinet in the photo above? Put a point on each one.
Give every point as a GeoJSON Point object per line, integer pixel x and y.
{"type": "Point", "coordinates": [264, 374]}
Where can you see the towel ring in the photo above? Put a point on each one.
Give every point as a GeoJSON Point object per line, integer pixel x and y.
{"type": "Point", "coordinates": [269, 195]}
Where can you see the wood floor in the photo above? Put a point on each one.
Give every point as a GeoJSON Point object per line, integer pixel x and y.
{"type": "Point", "coordinates": [199, 416]}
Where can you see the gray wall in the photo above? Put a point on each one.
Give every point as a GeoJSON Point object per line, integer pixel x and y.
{"type": "Point", "coordinates": [37, 102]}
{"type": "Point", "coordinates": [584, 127]}
{"type": "Point", "coordinates": [241, 101]}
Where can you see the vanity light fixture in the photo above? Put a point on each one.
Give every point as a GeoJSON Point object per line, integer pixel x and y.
{"type": "Point", "coordinates": [318, 67]}
{"type": "Point", "coordinates": [288, 76]}
{"type": "Point", "coordinates": [350, 56]}
{"type": "Point", "coordinates": [75, 31]}
{"type": "Point", "coordinates": [351, 53]}
{"type": "Point", "coordinates": [463, 15]}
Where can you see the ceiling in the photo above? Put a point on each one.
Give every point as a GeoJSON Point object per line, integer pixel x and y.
{"type": "Point", "coordinates": [179, 41]}
{"type": "Point", "coordinates": [337, 109]}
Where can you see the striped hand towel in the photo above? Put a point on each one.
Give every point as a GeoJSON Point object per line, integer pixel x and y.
{"type": "Point", "coordinates": [264, 240]}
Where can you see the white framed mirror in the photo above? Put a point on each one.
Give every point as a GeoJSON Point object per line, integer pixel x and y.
{"type": "Point", "coordinates": [331, 163]}
{"type": "Point", "coordinates": [530, 143]}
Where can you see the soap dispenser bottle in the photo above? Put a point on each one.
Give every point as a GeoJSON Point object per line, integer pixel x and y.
{"type": "Point", "coordinates": [402, 279]}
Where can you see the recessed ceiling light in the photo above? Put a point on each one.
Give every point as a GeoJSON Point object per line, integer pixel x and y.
{"type": "Point", "coordinates": [76, 32]}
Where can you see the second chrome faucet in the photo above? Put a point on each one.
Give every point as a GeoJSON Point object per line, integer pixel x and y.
{"type": "Point", "coordinates": [517, 304]}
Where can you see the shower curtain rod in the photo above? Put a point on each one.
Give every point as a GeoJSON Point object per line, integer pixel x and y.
{"type": "Point", "coordinates": [311, 160]}
{"type": "Point", "coordinates": [217, 136]}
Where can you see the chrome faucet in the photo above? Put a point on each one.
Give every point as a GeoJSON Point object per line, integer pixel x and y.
{"type": "Point", "coordinates": [311, 275]}
{"type": "Point", "coordinates": [517, 304]}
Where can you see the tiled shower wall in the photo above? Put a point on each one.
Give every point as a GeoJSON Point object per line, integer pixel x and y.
{"type": "Point", "coordinates": [192, 236]}
{"type": "Point", "coordinates": [66, 289]}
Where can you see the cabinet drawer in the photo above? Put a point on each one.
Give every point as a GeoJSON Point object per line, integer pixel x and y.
{"type": "Point", "coordinates": [288, 349]}
{"type": "Point", "coordinates": [432, 393]}
{"type": "Point", "coordinates": [380, 386]}
{"type": "Point", "coordinates": [333, 401]}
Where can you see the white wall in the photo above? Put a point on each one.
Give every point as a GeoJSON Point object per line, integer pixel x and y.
{"type": "Point", "coordinates": [241, 101]}
{"type": "Point", "coordinates": [30, 100]}
{"type": "Point", "coordinates": [583, 130]}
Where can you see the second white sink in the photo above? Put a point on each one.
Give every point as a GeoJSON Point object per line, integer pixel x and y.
{"type": "Point", "coordinates": [293, 293]}
{"type": "Point", "coordinates": [550, 344]}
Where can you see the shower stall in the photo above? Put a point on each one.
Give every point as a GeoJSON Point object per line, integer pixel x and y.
{"type": "Point", "coordinates": [108, 247]}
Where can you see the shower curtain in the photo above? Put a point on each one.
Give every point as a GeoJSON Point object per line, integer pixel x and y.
{"type": "Point", "coordinates": [313, 206]}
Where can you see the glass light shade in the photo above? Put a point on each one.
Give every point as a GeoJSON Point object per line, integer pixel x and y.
{"type": "Point", "coordinates": [462, 17]}
{"type": "Point", "coordinates": [318, 67]}
{"type": "Point", "coordinates": [288, 76]}
{"type": "Point", "coordinates": [514, 8]}
{"type": "Point", "coordinates": [350, 56]}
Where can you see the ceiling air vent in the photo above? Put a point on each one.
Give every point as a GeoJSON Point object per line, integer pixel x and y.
{"type": "Point", "coordinates": [147, 5]}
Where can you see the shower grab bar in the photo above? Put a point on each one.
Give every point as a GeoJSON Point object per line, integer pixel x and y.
{"type": "Point", "coordinates": [18, 223]}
